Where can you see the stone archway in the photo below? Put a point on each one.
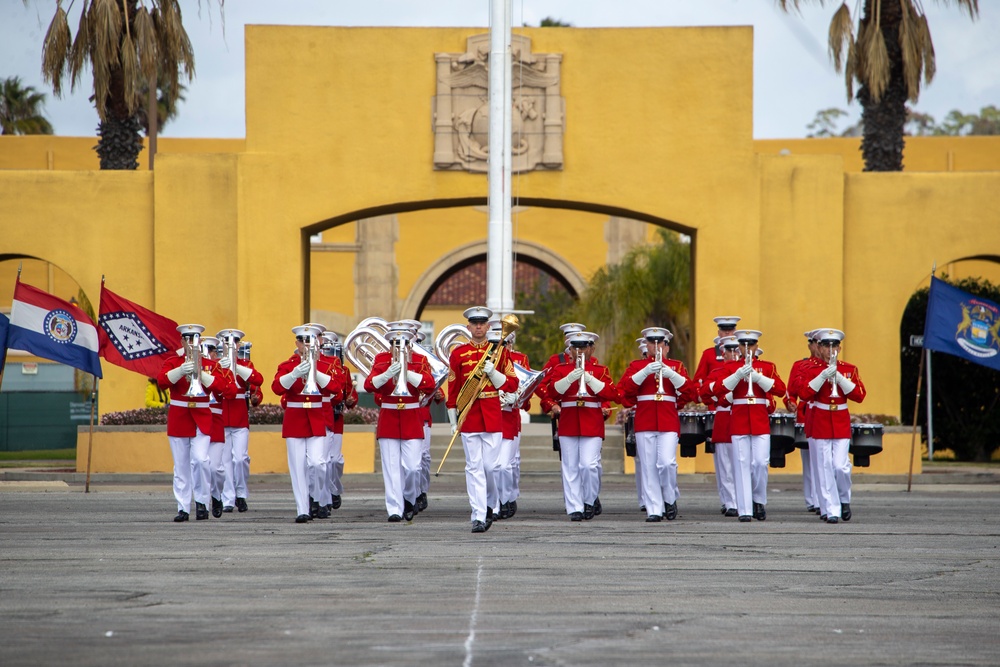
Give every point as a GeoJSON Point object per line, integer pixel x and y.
{"type": "Point", "coordinates": [446, 263]}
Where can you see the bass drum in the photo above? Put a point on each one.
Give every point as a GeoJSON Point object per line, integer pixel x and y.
{"type": "Point", "coordinates": [782, 437]}
{"type": "Point", "coordinates": [800, 436]}
{"type": "Point", "coordinates": [692, 432]}
{"type": "Point", "coordinates": [866, 441]}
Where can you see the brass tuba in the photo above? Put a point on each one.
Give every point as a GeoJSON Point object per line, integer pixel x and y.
{"type": "Point", "coordinates": [310, 339]}
{"type": "Point", "coordinates": [192, 353]}
{"type": "Point", "coordinates": [230, 339]}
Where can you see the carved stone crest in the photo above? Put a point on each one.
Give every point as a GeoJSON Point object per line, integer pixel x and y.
{"type": "Point", "coordinates": [461, 108]}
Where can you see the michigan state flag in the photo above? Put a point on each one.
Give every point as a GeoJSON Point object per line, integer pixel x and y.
{"type": "Point", "coordinates": [962, 324]}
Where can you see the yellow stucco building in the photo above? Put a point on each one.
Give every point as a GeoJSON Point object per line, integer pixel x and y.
{"type": "Point", "coordinates": [348, 132]}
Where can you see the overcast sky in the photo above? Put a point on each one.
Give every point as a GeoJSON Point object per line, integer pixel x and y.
{"type": "Point", "coordinates": [793, 77]}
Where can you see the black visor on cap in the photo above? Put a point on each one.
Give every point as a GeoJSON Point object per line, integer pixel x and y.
{"type": "Point", "coordinates": [478, 320]}
{"type": "Point", "coordinates": [727, 327]}
{"type": "Point", "coordinates": [581, 343]}
{"type": "Point", "coordinates": [656, 339]}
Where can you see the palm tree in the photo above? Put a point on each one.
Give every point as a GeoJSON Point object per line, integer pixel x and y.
{"type": "Point", "coordinates": [127, 43]}
{"type": "Point", "coordinates": [888, 52]}
{"type": "Point", "coordinates": [21, 109]}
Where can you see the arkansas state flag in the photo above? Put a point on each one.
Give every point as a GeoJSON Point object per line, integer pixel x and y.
{"type": "Point", "coordinates": [51, 328]}
{"type": "Point", "coordinates": [962, 324]}
{"type": "Point", "coordinates": [133, 337]}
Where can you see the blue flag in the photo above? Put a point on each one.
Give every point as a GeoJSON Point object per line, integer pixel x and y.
{"type": "Point", "coordinates": [4, 327]}
{"type": "Point", "coordinates": [962, 324]}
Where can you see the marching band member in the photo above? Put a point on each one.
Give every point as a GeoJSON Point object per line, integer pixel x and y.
{"type": "Point", "coordinates": [236, 421]}
{"type": "Point", "coordinates": [628, 406]}
{"type": "Point", "coordinates": [721, 438]}
{"type": "Point", "coordinates": [751, 382]}
{"type": "Point", "coordinates": [424, 485]}
{"type": "Point", "coordinates": [509, 472]}
{"type": "Point", "coordinates": [217, 443]}
{"type": "Point", "coordinates": [400, 430]}
{"type": "Point", "coordinates": [330, 350]}
{"type": "Point", "coordinates": [657, 385]}
{"type": "Point", "coordinates": [321, 481]}
{"type": "Point", "coordinates": [712, 357]}
{"type": "Point", "coordinates": [304, 425]}
{"type": "Point", "coordinates": [827, 386]}
{"type": "Point", "coordinates": [482, 427]}
{"type": "Point", "coordinates": [189, 422]}
{"type": "Point", "coordinates": [801, 409]}
{"type": "Point", "coordinates": [581, 385]}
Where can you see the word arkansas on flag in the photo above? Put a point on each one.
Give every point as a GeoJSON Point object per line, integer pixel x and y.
{"type": "Point", "coordinates": [134, 337]}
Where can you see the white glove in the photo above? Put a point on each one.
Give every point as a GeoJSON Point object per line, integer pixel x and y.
{"type": "Point", "coordinates": [288, 379]}
{"type": "Point", "coordinates": [595, 385]}
{"type": "Point", "coordinates": [508, 398]}
{"type": "Point", "coordinates": [744, 372]}
{"type": "Point", "coordinates": [562, 385]}
{"type": "Point", "coordinates": [733, 380]}
{"type": "Point", "coordinates": [206, 379]}
{"type": "Point", "coordinates": [674, 377]}
{"type": "Point", "coordinates": [175, 374]}
{"type": "Point", "coordinates": [845, 384]}
{"type": "Point", "coordinates": [225, 362]}
{"type": "Point", "coordinates": [244, 372]}
{"type": "Point", "coordinates": [322, 379]}
{"type": "Point", "coordinates": [640, 375]}
{"type": "Point", "coordinates": [828, 372]}
{"type": "Point", "coordinates": [762, 381]}
{"type": "Point", "coordinates": [413, 377]}
{"type": "Point", "coordinates": [301, 370]}
{"type": "Point", "coordinates": [488, 367]}
{"type": "Point", "coordinates": [496, 377]}
{"type": "Point", "coordinates": [453, 419]}
{"type": "Point", "coordinates": [389, 373]}
{"type": "Point", "coordinates": [575, 374]}
{"type": "Point", "coordinates": [729, 396]}
{"type": "Point", "coordinates": [817, 382]}
{"type": "Point", "coordinates": [655, 367]}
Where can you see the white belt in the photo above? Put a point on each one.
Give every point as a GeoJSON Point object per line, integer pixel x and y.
{"type": "Point", "coordinates": [304, 405]}
{"type": "Point", "coordinates": [402, 406]}
{"type": "Point", "coordinates": [753, 400]}
{"type": "Point", "coordinates": [725, 409]}
{"type": "Point", "coordinates": [580, 404]}
{"type": "Point", "coordinates": [832, 408]}
{"type": "Point", "coordinates": [189, 404]}
{"type": "Point", "coordinates": [657, 397]}
{"type": "Point", "coordinates": [327, 399]}
{"type": "Point", "coordinates": [216, 411]}
{"type": "Point", "coordinates": [239, 396]}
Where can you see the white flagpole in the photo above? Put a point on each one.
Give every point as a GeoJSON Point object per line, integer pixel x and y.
{"type": "Point", "coordinates": [90, 440]}
{"type": "Point", "coordinates": [499, 261]}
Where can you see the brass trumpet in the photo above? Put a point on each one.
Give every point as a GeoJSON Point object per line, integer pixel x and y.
{"type": "Point", "coordinates": [658, 358]}
{"type": "Point", "coordinates": [833, 380]}
{"type": "Point", "coordinates": [192, 353]}
{"type": "Point", "coordinates": [401, 354]}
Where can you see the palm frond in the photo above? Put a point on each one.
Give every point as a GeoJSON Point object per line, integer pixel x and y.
{"type": "Point", "coordinates": [130, 72]}
{"type": "Point", "coordinates": [930, 62]}
{"type": "Point", "coordinates": [146, 44]}
{"type": "Point", "coordinates": [81, 45]}
{"type": "Point", "coordinates": [841, 34]}
{"type": "Point", "coordinates": [56, 50]}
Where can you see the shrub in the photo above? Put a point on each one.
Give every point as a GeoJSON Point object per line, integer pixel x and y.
{"type": "Point", "coordinates": [265, 413]}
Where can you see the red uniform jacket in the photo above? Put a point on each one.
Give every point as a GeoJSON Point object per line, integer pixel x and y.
{"type": "Point", "coordinates": [512, 415]}
{"type": "Point", "coordinates": [235, 413]}
{"type": "Point", "coordinates": [723, 408]}
{"type": "Point", "coordinates": [802, 406]}
{"type": "Point", "coordinates": [711, 359]}
{"type": "Point", "coordinates": [830, 419]}
{"type": "Point", "coordinates": [749, 414]}
{"type": "Point", "coordinates": [350, 400]}
{"type": "Point", "coordinates": [332, 367]}
{"type": "Point", "coordinates": [484, 415]}
{"type": "Point", "coordinates": [304, 416]}
{"type": "Point", "coordinates": [582, 417]}
{"type": "Point", "coordinates": [400, 417]}
{"type": "Point", "coordinates": [221, 392]}
{"type": "Point", "coordinates": [186, 416]}
{"type": "Point", "coordinates": [652, 414]}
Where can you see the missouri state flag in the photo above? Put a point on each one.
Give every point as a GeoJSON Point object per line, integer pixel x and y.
{"type": "Point", "coordinates": [48, 327]}
{"type": "Point", "coordinates": [134, 337]}
{"type": "Point", "coordinates": [962, 324]}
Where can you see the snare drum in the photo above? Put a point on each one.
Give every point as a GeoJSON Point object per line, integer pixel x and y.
{"type": "Point", "coordinates": [782, 437]}
{"type": "Point", "coordinates": [692, 432]}
{"type": "Point", "coordinates": [866, 441]}
{"type": "Point", "coordinates": [800, 436]}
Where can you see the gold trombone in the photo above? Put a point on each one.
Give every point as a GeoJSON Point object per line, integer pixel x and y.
{"type": "Point", "coordinates": [476, 380]}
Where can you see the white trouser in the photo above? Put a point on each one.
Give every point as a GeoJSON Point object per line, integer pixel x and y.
{"type": "Point", "coordinates": [191, 469]}
{"type": "Point", "coordinates": [334, 464]}
{"type": "Point", "coordinates": [581, 472]}
{"type": "Point", "coordinates": [808, 481]}
{"type": "Point", "coordinates": [300, 452]}
{"type": "Point", "coordinates": [482, 452]}
{"type": "Point", "coordinates": [505, 473]}
{"type": "Point", "coordinates": [400, 472]}
{"type": "Point", "coordinates": [751, 456]}
{"type": "Point", "coordinates": [638, 477]}
{"type": "Point", "coordinates": [834, 479]}
{"type": "Point", "coordinates": [239, 440]}
{"type": "Point", "coordinates": [425, 460]}
{"type": "Point", "coordinates": [319, 484]}
{"type": "Point", "coordinates": [516, 469]}
{"type": "Point", "coordinates": [724, 477]}
{"type": "Point", "coordinates": [659, 469]}
{"type": "Point", "coordinates": [217, 466]}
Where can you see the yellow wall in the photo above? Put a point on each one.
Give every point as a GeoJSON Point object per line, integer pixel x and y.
{"type": "Point", "coordinates": [919, 153]}
{"type": "Point", "coordinates": [52, 152]}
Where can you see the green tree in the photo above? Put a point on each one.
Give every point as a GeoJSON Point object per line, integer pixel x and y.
{"type": "Point", "coordinates": [539, 336]}
{"type": "Point", "coordinates": [549, 22]}
{"type": "Point", "coordinates": [21, 109]}
{"type": "Point", "coordinates": [887, 53]}
{"type": "Point", "coordinates": [127, 44]}
{"type": "Point", "coordinates": [825, 123]}
{"type": "Point", "coordinates": [966, 396]}
{"type": "Point", "coordinates": [987, 121]}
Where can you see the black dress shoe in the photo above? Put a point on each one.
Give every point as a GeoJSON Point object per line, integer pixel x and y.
{"type": "Point", "coordinates": [832, 519]}
{"type": "Point", "coordinates": [216, 507]}
{"type": "Point", "coordinates": [511, 508]}
{"type": "Point", "coordinates": [200, 511]}
{"type": "Point", "coordinates": [323, 513]}
{"type": "Point", "coordinates": [313, 507]}
{"type": "Point", "coordinates": [181, 516]}
{"type": "Point", "coordinates": [395, 518]}
{"type": "Point", "coordinates": [597, 507]}
{"type": "Point", "coordinates": [421, 501]}
{"type": "Point", "coordinates": [654, 518]}
{"type": "Point", "coordinates": [845, 511]}
{"type": "Point", "coordinates": [241, 504]}
{"type": "Point", "coordinates": [759, 512]}
{"type": "Point", "coordinates": [489, 517]}
{"type": "Point", "coordinates": [812, 508]}
{"type": "Point", "coordinates": [816, 510]}
{"type": "Point", "coordinates": [588, 512]}
{"type": "Point", "coordinates": [408, 510]}
{"type": "Point", "coordinates": [228, 509]}
{"type": "Point", "coordinates": [731, 512]}
{"type": "Point", "coordinates": [642, 508]}
{"type": "Point", "coordinates": [822, 517]}
{"type": "Point", "coordinates": [576, 516]}
{"type": "Point", "coordinates": [504, 511]}
{"type": "Point", "coordinates": [335, 503]}
{"type": "Point", "coordinates": [478, 527]}
{"type": "Point", "coordinates": [745, 519]}
{"type": "Point", "coordinates": [670, 511]}
{"type": "Point", "coordinates": [723, 510]}
{"type": "Point", "coordinates": [302, 518]}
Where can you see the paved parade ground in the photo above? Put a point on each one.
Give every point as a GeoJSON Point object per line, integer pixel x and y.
{"type": "Point", "coordinates": [106, 578]}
